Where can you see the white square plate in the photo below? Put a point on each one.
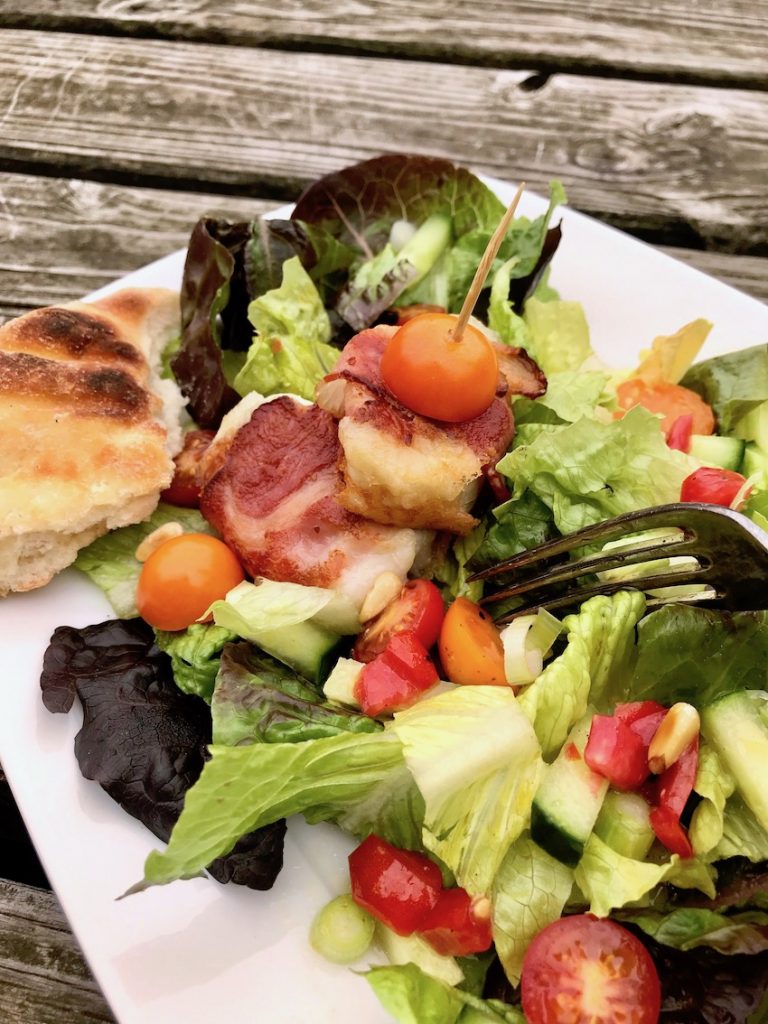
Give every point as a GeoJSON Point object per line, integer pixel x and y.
{"type": "Point", "coordinates": [197, 952]}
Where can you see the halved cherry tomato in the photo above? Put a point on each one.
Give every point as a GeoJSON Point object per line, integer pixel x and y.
{"type": "Point", "coordinates": [670, 400]}
{"type": "Point", "coordinates": [397, 677]}
{"type": "Point", "coordinates": [581, 970]}
{"type": "Point", "coordinates": [711, 485]}
{"type": "Point", "coordinates": [470, 646]}
{"type": "Point", "coordinates": [670, 795]}
{"type": "Point", "coordinates": [184, 489]}
{"type": "Point", "coordinates": [418, 609]}
{"type": "Point", "coordinates": [617, 753]}
{"type": "Point", "coordinates": [438, 377]}
{"type": "Point", "coordinates": [182, 577]}
{"type": "Point", "coordinates": [397, 886]}
{"type": "Point", "coordinates": [457, 925]}
{"type": "Point", "coordinates": [679, 434]}
{"type": "Point", "coordinates": [643, 717]}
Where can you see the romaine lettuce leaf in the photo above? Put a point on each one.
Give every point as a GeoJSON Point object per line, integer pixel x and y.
{"type": "Point", "coordinates": [597, 659]}
{"type": "Point", "coordinates": [413, 997]}
{"type": "Point", "coordinates": [290, 351]}
{"type": "Point", "coordinates": [714, 784]}
{"type": "Point", "coordinates": [361, 782]}
{"type": "Point", "coordinates": [688, 927]}
{"type": "Point", "coordinates": [513, 527]}
{"type": "Point", "coordinates": [733, 384]}
{"type": "Point", "coordinates": [259, 700]}
{"type": "Point", "coordinates": [250, 609]}
{"type": "Point", "coordinates": [743, 835]}
{"type": "Point", "coordinates": [111, 563]}
{"type": "Point", "coordinates": [697, 655]}
{"type": "Point", "coordinates": [558, 335]}
{"type": "Point", "coordinates": [591, 471]}
{"type": "Point", "coordinates": [195, 654]}
{"type": "Point", "coordinates": [610, 881]}
{"type": "Point", "coordinates": [529, 892]}
{"type": "Point", "coordinates": [570, 396]}
{"type": "Point", "coordinates": [477, 763]}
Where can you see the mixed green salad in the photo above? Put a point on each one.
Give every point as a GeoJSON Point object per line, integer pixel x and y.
{"type": "Point", "coordinates": [258, 713]}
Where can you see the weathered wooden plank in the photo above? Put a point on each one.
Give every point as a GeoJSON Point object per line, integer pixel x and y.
{"type": "Point", "coordinates": [676, 162]}
{"type": "Point", "coordinates": [43, 977]}
{"type": "Point", "coordinates": [61, 238]}
{"type": "Point", "coordinates": [724, 42]}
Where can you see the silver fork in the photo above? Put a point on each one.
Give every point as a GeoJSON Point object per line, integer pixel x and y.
{"type": "Point", "coordinates": [731, 552]}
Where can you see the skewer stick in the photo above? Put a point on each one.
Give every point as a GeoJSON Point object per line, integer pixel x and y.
{"type": "Point", "coordinates": [484, 266]}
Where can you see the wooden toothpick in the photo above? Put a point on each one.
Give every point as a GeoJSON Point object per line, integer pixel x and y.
{"type": "Point", "coordinates": [484, 266]}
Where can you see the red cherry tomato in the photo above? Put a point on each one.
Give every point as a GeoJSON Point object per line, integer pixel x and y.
{"type": "Point", "coordinates": [670, 400]}
{"type": "Point", "coordinates": [711, 485]}
{"type": "Point", "coordinates": [457, 925]}
{"type": "Point", "coordinates": [182, 577]}
{"type": "Point", "coordinates": [438, 377]}
{"type": "Point", "coordinates": [679, 435]}
{"type": "Point", "coordinates": [581, 970]}
{"type": "Point", "coordinates": [670, 795]}
{"type": "Point", "coordinates": [184, 489]}
{"type": "Point", "coordinates": [397, 677]}
{"type": "Point", "coordinates": [616, 752]}
{"type": "Point", "coordinates": [418, 609]}
{"type": "Point", "coordinates": [470, 646]}
{"type": "Point", "coordinates": [397, 886]}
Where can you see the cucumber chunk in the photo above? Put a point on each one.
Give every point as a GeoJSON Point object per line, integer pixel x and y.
{"type": "Point", "coordinates": [737, 727]}
{"type": "Point", "coordinates": [309, 649]}
{"type": "Point", "coordinates": [624, 824]}
{"type": "Point", "coordinates": [713, 450]}
{"type": "Point", "coordinates": [754, 426]}
{"type": "Point", "coordinates": [568, 800]}
{"type": "Point", "coordinates": [755, 464]}
{"type": "Point", "coordinates": [340, 684]}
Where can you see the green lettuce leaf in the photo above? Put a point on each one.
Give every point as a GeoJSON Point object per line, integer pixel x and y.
{"type": "Point", "coordinates": [529, 892]}
{"type": "Point", "coordinates": [597, 659]}
{"type": "Point", "coordinates": [743, 835]}
{"type": "Point", "coordinates": [250, 609]}
{"type": "Point", "coordinates": [111, 561]}
{"type": "Point", "coordinates": [359, 781]}
{"type": "Point", "coordinates": [290, 351]}
{"type": "Point", "coordinates": [610, 881]}
{"type": "Point", "coordinates": [502, 318]}
{"type": "Point", "coordinates": [733, 384]}
{"type": "Point", "coordinates": [714, 784]}
{"type": "Point", "coordinates": [570, 396]}
{"type": "Point", "coordinates": [477, 763]}
{"type": "Point", "coordinates": [697, 655]}
{"type": "Point", "coordinates": [689, 927]}
{"type": "Point", "coordinates": [413, 997]}
{"type": "Point", "coordinates": [591, 471]}
{"type": "Point", "coordinates": [512, 527]}
{"type": "Point", "coordinates": [195, 654]}
{"type": "Point", "coordinates": [558, 335]}
{"type": "Point", "coordinates": [260, 700]}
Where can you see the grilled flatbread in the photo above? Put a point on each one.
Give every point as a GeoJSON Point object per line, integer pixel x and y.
{"type": "Point", "coordinates": [87, 431]}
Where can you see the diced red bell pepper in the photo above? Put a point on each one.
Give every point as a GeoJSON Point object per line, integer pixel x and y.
{"type": "Point", "coordinates": [457, 925]}
{"type": "Point", "coordinates": [643, 717]}
{"type": "Point", "coordinates": [679, 434]}
{"type": "Point", "coordinates": [616, 752]}
{"type": "Point", "coordinates": [397, 677]}
{"type": "Point", "coordinates": [670, 795]}
{"type": "Point", "coordinates": [398, 887]}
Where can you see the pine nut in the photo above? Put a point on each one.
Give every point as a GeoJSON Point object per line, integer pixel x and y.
{"type": "Point", "coordinates": [481, 908]}
{"type": "Point", "coordinates": [156, 539]}
{"type": "Point", "coordinates": [385, 588]}
{"type": "Point", "coordinates": [679, 727]}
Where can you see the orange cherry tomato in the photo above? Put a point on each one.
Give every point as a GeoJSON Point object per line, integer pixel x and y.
{"type": "Point", "coordinates": [470, 646]}
{"type": "Point", "coordinates": [183, 577]}
{"type": "Point", "coordinates": [670, 400]}
{"type": "Point", "coordinates": [438, 377]}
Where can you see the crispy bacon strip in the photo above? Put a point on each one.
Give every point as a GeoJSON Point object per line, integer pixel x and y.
{"type": "Point", "coordinates": [401, 468]}
{"type": "Point", "coordinates": [273, 496]}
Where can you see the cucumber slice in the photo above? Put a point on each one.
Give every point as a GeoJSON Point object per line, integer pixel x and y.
{"type": "Point", "coordinates": [755, 464]}
{"type": "Point", "coordinates": [340, 684]}
{"type": "Point", "coordinates": [309, 649]}
{"type": "Point", "coordinates": [737, 727]}
{"type": "Point", "coordinates": [713, 450]}
{"type": "Point", "coordinates": [754, 426]}
{"type": "Point", "coordinates": [624, 824]}
{"type": "Point", "coordinates": [568, 800]}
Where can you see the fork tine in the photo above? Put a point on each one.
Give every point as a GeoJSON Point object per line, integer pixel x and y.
{"type": "Point", "coordinates": [577, 595]}
{"type": "Point", "coordinates": [599, 562]}
{"type": "Point", "coordinates": [614, 529]}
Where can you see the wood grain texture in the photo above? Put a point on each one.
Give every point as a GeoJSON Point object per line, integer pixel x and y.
{"type": "Point", "coordinates": [61, 238]}
{"type": "Point", "coordinates": [723, 42]}
{"type": "Point", "coordinates": [43, 977]}
{"type": "Point", "coordinates": [676, 162]}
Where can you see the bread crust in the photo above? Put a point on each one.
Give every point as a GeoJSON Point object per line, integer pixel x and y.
{"type": "Point", "coordinates": [83, 446]}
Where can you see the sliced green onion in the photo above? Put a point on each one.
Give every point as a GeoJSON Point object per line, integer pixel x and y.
{"type": "Point", "coordinates": [427, 244]}
{"type": "Point", "coordinates": [342, 931]}
{"type": "Point", "coordinates": [527, 641]}
{"type": "Point", "coordinates": [633, 573]}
